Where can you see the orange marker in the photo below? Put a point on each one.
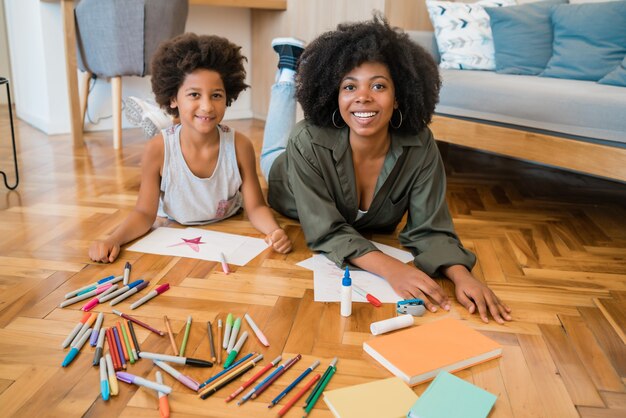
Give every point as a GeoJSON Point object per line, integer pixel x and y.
{"type": "Point", "coordinates": [164, 404]}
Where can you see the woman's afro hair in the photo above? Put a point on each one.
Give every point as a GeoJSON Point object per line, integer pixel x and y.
{"type": "Point", "coordinates": [328, 58]}
{"type": "Point", "coordinates": [184, 54]}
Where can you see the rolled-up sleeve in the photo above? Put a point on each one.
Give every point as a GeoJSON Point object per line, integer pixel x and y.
{"type": "Point", "coordinates": [429, 231]}
{"type": "Point", "coordinates": [325, 228]}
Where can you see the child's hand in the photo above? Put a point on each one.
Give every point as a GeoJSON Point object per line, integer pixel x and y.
{"type": "Point", "coordinates": [279, 241]}
{"type": "Point", "coordinates": [104, 251]}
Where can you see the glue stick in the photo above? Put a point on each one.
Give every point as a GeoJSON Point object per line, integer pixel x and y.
{"type": "Point", "coordinates": [346, 294]}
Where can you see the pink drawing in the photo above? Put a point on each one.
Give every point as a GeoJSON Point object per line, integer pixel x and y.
{"type": "Point", "coordinates": [194, 243]}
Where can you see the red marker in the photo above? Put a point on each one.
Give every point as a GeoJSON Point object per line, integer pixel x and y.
{"type": "Point", "coordinates": [370, 298]}
{"type": "Point", "coordinates": [160, 289]}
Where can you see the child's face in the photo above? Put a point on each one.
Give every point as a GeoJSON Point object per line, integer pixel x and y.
{"type": "Point", "coordinates": [201, 101]}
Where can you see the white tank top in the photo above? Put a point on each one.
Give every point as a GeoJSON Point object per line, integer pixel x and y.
{"type": "Point", "coordinates": [191, 200]}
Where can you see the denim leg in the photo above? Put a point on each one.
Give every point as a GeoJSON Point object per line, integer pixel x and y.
{"type": "Point", "coordinates": [281, 118]}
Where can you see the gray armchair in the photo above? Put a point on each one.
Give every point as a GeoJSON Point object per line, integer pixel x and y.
{"type": "Point", "coordinates": [117, 38]}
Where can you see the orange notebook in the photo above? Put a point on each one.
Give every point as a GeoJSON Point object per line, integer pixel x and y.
{"type": "Point", "coordinates": [418, 354]}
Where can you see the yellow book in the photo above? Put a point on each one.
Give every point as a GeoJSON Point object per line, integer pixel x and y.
{"type": "Point", "coordinates": [418, 354]}
{"type": "Point", "coordinates": [388, 398]}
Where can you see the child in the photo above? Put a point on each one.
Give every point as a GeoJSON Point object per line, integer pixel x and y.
{"type": "Point", "coordinates": [197, 171]}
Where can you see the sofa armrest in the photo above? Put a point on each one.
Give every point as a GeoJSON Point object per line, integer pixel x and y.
{"type": "Point", "coordinates": [426, 40]}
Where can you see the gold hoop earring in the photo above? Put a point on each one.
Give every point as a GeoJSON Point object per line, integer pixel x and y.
{"type": "Point", "coordinates": [400, 123]}
{"type": "Point", "coordinates": [335, 123]}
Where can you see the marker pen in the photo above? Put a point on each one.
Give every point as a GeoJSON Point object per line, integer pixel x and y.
{"type": "Point", "coordinates": [346, 294]}
{"type": "Point", "coordinates": [75, 349]}
{"type": "Point", "coordinates": [237, 347]}
{"type": "Point", "coordinates": [129, 293]}
{"type": "Point", "coordinates": [138, 322]}
{"type": "Point", "coordinates": [183, 345]}
{"type": "Point", "coordinates": [84, 296]}
{"type": "Point", "coordinates": [120, 291]}
{"type": "Point", "coordinates": [126, 273]}
{"type": "Point", "coordinates": [113, 387]}
{"type": "Point", "coordinates": [233, 335]}
{"type": "Point", "coordinates": [164, 405]}
{"type": "Point", "coordinates": [225, 267]}
{"type": "Point", "coordinates": [160, 289]}
{"type": "Point", "coordinates": [175, 359]}
{"type": "Point", "coordinates": [185, 380]}
{"type": "Point", "coordinates": [93, 302]}
{"type": "Point", "coordinates": [99, 346]}
{"type": "Point", "coordinates": [369, 297]}
{"type": "Point", "coordinates": [257, 331]}
{"type": "Point", "coordinates": [229, 325]}
{"type": "Point", "coordinates": [92, 286]}
{"type": "Point", "coordinates": [96, 330]}
{"type": "Point", "coordinates": [86, 325]}
{"type": "Point", "coordinates": [104, 380]}
{"type": "Point", "coordinates": [137, 380]}
{"type": "Point", "coordinates": [68, 340]}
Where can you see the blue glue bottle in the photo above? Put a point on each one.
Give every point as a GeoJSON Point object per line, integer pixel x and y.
{"type": "Point", "coordinates": [346, 294]}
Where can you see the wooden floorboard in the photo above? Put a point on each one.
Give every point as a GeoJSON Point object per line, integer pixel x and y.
{"type": "Point", "coordinates": [551, 243]}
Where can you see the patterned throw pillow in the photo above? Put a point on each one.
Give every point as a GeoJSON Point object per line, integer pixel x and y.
{"type": "Point", "coordinates": [463, 33]}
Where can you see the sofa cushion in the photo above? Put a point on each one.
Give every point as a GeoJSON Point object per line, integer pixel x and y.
{"type": "Point", "coordinates": [617, 77]}
{"type": "Point", "coordinates": [589, 40]}
{"type": "Point", "coordinates": [571, 107]}
{"type": "Point", "coordinates": [522, 36]}
{"type": "Point", "coordinates": [463, 33]}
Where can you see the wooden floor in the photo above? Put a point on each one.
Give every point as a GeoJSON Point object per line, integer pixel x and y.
{"type": "Point", "coordinates": [551, 244]}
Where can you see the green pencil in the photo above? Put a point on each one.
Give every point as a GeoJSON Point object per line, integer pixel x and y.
{"type": "Point", "coordinates": [311, 404]}
{"type": "Point", "coordinates": [185, 337]}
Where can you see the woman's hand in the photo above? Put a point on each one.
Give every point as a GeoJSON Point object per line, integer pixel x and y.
{"type": "Point", "coordinates": [279, 241]}
{"type": "Point", "coordinates": [410, 282]}
{"type": "Point", "coordinates": [105, 251]}
{"type": "Point", "coordinates": [474, 294]}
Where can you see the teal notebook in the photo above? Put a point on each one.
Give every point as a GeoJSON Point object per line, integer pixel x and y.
{"type": "Point", "coordinates": [451, 397]}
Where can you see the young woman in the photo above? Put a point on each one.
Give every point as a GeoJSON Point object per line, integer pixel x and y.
{"type": "Point", "coordinates": [364, 157]}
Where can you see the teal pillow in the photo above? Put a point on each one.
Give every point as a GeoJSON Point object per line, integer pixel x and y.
{"type": "Point", "coordinates": [589, 40]}
{"type": "Point", "coordinates": [522, 37]}
{"type": "Point", "coordinates": [617, 77]}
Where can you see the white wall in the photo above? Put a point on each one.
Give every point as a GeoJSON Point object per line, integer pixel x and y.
{"type": "Point", "coordinates": [35, 35]}
{"type": "Point", "coordinates": [5, 68]}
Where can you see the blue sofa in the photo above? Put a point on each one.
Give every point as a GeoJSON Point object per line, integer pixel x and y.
{"type": "Point", "coordinates": [571, 124]}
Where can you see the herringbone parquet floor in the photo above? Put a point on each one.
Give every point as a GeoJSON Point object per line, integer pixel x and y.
{"type": "Point", "coordinates": [551, 244]}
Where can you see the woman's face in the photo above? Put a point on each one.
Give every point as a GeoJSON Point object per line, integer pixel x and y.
{"type": "Point", "coordinates": [367, 99]}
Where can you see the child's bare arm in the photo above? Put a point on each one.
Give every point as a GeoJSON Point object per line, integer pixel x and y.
{"type": "Point", "coordinates": [139, 221]}
{"type": "Point", "coordinates": [254, 204]}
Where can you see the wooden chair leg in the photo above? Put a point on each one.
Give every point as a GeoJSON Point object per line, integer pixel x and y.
{"type": "Point", "coordinates": [116, 96]}
{"type": "Point", "coordinates": [84, 94]}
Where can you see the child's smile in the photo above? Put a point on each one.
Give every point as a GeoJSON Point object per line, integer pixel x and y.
{"type": "Point", "coordinates": [201, 101]}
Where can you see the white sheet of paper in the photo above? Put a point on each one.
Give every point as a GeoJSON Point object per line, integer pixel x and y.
{"type": "Point", "coordinates": [327, 278]}
{"type": "Point", "coordinates": [237, 249]}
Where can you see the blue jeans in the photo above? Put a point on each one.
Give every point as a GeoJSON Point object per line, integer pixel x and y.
{"type": "Point", "coordinates": [281, 118]}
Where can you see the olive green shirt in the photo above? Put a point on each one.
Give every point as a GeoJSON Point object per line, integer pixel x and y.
{"type": "Point", "coordinates": [314, 181]}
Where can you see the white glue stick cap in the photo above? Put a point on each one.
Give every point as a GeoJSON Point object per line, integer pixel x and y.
{"type": "Point", "coordinates": [391, 324]}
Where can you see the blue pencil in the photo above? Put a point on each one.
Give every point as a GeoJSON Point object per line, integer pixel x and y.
{"type": "Point", "coordinates": [212, 378]}
{"type": "Point", "coordinates": [294, 383]}
{"type": "Point", "coordinates": [249, 394]}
